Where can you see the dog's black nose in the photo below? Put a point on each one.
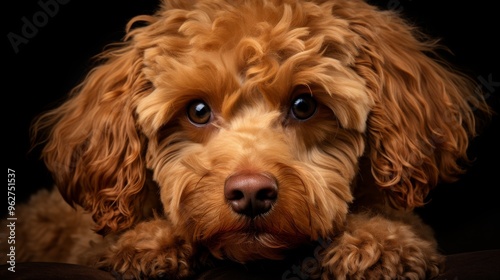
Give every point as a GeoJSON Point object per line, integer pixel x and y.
{"type": "Point", "coordinates": [251, 194]}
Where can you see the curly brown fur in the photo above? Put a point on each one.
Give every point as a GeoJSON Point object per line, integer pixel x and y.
{"type": "Point", "coordinates": [314, 119]}
{"type": "Point", "coordinates": [51, 231]}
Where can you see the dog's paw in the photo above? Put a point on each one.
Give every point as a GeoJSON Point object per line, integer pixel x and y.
{"type": "Point", "coordinates": [149, 251]}
{"type": "Point", "coordinates": [393, 252]}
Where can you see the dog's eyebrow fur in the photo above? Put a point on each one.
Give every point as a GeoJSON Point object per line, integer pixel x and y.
{"type": "Point", "coordinates": [283, 47]}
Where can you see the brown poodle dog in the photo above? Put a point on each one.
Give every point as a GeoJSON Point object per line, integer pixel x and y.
{"type": "Point", "coordinates": [245, 130]}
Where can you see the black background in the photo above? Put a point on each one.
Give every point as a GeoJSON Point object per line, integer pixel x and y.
{"type": "Point", "coordinates": [465, 214]}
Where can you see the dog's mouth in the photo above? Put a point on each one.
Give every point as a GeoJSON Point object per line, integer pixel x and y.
{"type": "Point", "coordinates": [256, 238]}
{"type": "Point", "coordinates": [253, 244]}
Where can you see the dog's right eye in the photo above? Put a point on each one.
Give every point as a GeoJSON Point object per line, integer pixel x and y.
{"type": "Point", "coordinates": [199, 112]}
{"type": "Point", "coordinates": [303, 107]}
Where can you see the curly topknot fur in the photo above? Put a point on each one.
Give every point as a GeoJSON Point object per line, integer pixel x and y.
{"type": "Point", "coordinates": [263, 126]}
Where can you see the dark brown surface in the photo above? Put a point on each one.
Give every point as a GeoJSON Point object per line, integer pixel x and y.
{"type": "Point", "coordinates": [53, 271]}
{"type": "Point", "coordinates": [481, 265]}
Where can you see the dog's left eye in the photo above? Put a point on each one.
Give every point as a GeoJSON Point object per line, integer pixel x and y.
{"type": "Point", "coordinates": [199, 112]}
{"type": "Point", "coordinates": [303, 107]}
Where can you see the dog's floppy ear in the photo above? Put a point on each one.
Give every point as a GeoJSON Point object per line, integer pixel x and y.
{"type": "Point", "coordinates": [94, 149]}
{"type": "Point", "coordinates": [423, 118]}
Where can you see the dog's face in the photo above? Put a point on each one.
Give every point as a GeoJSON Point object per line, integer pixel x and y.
{"type": "Point", "coordinates": [251, 118]}
{"type": "Point", "coordinates": [254, 134]}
